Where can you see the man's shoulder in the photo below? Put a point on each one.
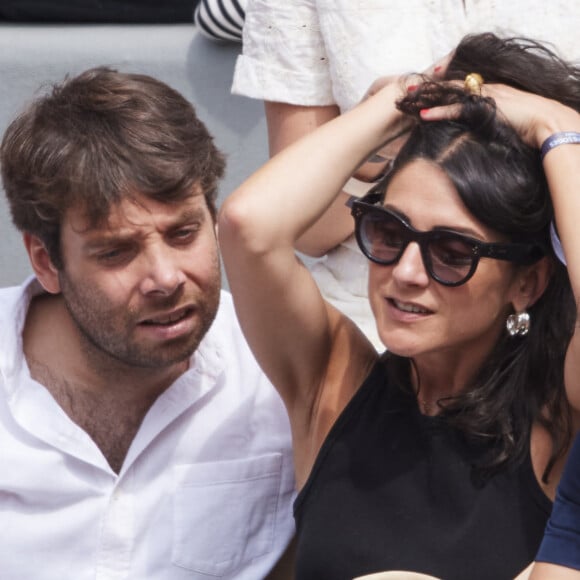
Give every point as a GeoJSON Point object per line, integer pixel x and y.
{"type": "Point", "coordinates": [10, 294]}
{"type": "Point", "coordinates": [226, 331]}
{"type": "Point", "coordinates": [225, 341]}
{"type": "Point", "coordinates": [225, 355]}
{"type": "Point", "coordinates": [226, 325]}
{"type": "Point", "coordinates": [226, 302]}
{"type": "Point", "coordinates": [14, 299]}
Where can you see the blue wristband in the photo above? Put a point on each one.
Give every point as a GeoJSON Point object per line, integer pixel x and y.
{"type": "Point", "coordinates": [563, 138]}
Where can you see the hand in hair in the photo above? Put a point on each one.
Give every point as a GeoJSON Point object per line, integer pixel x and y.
{"type": "Point", "coordinates": [408, 83]}
{"type": "Point", "coordinates": [534, 117]}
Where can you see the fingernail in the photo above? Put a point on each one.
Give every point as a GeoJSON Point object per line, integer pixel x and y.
{"type": "Point", "coordinates": [437, 68]}
{"type": "Point", "coordinates": [424, 112]}
{"type": "Point", "coordinates": [412, 88]}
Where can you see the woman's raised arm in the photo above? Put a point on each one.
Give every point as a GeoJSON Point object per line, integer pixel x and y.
{"type": "Point", "coordinates": [292, 331]}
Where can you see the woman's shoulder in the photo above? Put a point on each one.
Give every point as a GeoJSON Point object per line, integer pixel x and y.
{"type": "Point", "coordinates": [352, 359]}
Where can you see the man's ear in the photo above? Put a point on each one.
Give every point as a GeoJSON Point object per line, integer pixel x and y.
{"type": "Point", "coordinates": [531, 284]}
{"type": "Point", "coordinates": [43, 267]}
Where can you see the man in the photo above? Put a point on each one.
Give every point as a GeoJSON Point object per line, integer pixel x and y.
{"type": "Point", "coordinates": [139, 438]}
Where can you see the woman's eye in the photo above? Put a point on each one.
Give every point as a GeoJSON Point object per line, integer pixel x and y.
{"type": "Point", "coordinates": [455, 259]}
{"type": "Point", "coordinates": [392, 237]}
{"type": "Point", "coordinates": [452, 253]}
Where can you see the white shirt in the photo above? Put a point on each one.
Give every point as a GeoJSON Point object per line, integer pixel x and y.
{"type": "Point", "coordinates": [324, 52]}
{"type": "Point", "coordinates": [205, 490]}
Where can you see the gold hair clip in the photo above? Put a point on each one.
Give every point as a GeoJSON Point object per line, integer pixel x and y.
{"type": "Point", "coordinates": [472, 83]}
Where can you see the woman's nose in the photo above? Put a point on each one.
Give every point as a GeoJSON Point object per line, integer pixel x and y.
{"type": "Point", "coordinates": [410, 269]}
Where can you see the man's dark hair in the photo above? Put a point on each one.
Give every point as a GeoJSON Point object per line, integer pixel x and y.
{"type": "Point", "coordinates": [98, 138]}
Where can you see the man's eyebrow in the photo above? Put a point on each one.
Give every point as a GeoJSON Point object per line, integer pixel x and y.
{"type": "Point", "coordinates": [107, 237]}
{"type": "Point", "coordinates": [104, 240]}
{"type": "Point", "coordinates": [189, 215]}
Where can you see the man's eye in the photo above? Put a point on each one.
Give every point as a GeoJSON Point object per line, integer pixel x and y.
{"type": "Point", "coordinates": [184, 235]}
{"type": "Point", "coordinates": [113, 255]}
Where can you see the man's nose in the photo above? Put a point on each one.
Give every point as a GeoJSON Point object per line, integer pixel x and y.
{"type": "Point", "coordinates": [163, 274]}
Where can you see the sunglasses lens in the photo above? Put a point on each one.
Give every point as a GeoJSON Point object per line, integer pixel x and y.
{"type": "Point", "coordinates": [383, 237]}
{"type": "Point", "coordinates": [451, 258]}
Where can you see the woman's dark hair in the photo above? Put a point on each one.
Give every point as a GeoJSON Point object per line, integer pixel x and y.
{"type": "Point", "coordinates": [519, 62]}
{"type": "Point", "coordinates": [98, 138]}
{"type": "Point", "coordinates": [501, 182]}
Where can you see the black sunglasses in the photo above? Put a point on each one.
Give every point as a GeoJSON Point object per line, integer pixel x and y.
{"type": "Point", "coordinates": [449, 257]}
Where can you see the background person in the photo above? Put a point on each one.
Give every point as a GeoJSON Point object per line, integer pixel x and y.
{"type": "Point", "coordinates": [221, 20]}
{"type": "Point", "coordinates": [442, 456]}
{"type": "Point", "coordinates": [310, 60]}
{"type": "Point", "coordinates": [559, 554]}
{"type": "Point", "coordinates": [140, 438]}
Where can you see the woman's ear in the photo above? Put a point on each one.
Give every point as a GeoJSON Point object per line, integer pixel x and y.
{"type": "Point", "coordinates": [43, 267]}
{"type": "Point", "coordinates": [531, 282]}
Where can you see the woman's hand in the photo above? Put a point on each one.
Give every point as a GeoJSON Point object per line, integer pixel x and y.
{"type": "Point", "coordinates": [535, 118]}
{"type": "Point", "coordinates": [376, 165]}
{"type": "Point", "coordinates": [390, 150]}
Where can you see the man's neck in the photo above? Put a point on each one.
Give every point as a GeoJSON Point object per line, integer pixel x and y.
{"type": "Point", "coordinates": [106, 399]}
{"type": "Point", "coordinates": [65, 348]}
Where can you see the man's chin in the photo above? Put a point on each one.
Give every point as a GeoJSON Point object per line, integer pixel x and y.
{"type": "Point", "coordinates": [164, 356]}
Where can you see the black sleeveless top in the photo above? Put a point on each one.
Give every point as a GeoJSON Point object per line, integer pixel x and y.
{"type": "Point", "coordinates": [392, 489]}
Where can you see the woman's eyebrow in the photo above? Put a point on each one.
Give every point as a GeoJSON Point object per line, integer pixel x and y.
{"type": "Point", "coordinates": [460, 230]}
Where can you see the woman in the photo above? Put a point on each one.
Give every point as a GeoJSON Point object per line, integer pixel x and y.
{"type": "Point", "coordinates": [310, 60]}
{"type": "Point", "coordinates": [441, 456]}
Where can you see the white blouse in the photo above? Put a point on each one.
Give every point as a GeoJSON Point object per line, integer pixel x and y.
{"type": "Point", "coordinates": [322, 52]}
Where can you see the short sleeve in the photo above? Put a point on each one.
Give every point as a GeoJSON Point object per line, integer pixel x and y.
{"type": "Point", "coordinates": [220, 20]}
{"type": "Point", "coordinates": [561, 543]}
{"type": "Point", "coordinates": [284, 57]}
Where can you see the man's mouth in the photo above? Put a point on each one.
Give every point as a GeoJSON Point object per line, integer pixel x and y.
{"type": "Point", "coordinates": [170, 318]}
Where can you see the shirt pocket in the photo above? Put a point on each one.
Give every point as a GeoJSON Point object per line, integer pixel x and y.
{"type": "Point", "coordinates": [225, 513]}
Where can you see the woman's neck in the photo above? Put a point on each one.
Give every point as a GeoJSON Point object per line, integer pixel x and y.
{"type": "Point", "coordinates": [436, 378]}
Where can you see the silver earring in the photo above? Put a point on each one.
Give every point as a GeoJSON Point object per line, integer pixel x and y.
{"type": "Point", "coordinates": [518, 324]}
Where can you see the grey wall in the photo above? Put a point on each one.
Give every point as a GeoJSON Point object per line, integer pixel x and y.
{"type": "Point", "coordinates": [32, 56]}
